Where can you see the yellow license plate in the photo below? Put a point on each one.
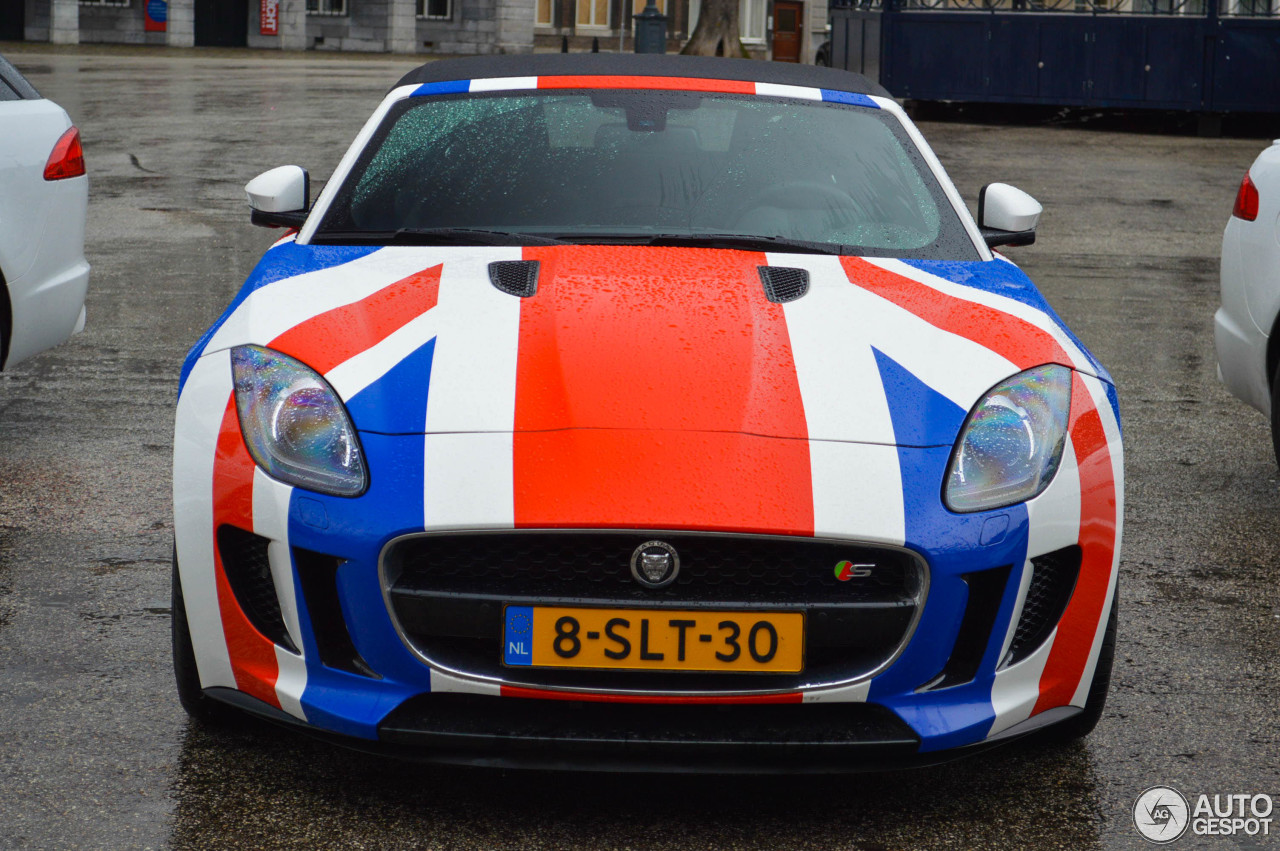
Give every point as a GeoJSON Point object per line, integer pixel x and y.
{"type": "Point", "coordinates": [653, 639]}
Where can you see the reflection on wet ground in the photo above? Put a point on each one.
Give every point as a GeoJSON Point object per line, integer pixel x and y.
{"type": "Point", "coordinates": [249, 789]}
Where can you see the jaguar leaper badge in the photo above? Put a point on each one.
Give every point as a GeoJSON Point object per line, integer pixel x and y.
{"type": "Point", "coordinates": [655, 564]}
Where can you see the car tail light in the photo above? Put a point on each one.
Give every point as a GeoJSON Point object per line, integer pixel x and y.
{"type": "Point", "coordinates": [67, 159]}
{"type": "Point", "coordinates": [1246, 200]}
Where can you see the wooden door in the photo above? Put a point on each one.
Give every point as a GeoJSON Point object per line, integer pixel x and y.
{"type": "Point", "coordinates": [788, 20]}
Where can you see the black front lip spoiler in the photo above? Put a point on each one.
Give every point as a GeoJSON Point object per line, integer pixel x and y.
{"type": "Point", "coordinates": [619, 755]}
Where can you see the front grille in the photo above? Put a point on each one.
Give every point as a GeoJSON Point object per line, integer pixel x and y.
{"type": "Point", "coordinates": [248, 570]}
{"type": "Point", "coordinates": [1053, 579]}
{"type": "Point", "coordinates": [783, 284]}
{"type": "Point", "coordinates": [448, 592]}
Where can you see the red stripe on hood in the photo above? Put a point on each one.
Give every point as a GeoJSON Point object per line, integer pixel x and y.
{"type": "Point", "coordinates": [688, 84]}
{"type": "Point", "coordinates": [1079, 625]}
{"type": "Point", "coordinates": [1017, 340]}
{"type": "Point", "coordinates": [651, 390]}
{"type": "Point", "coordinates": [332, 337]}
{"type": "Point", "coordinates": [252, 655]}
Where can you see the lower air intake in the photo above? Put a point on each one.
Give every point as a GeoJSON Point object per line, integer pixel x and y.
{"type": "Point", "coordinates": [248, 571]}
{"type": "Point", "coordinates": [1053, 579]}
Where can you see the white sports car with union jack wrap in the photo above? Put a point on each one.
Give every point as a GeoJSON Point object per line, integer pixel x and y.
{"type": "Point", "coordinates": [646, 411]}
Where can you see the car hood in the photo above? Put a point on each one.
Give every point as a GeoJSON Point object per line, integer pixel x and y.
{"type": "Point", "coordinates": [649, 339]}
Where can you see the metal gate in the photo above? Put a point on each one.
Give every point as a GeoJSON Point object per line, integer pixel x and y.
{"type": "Point", "coordinates": [1200, 55]}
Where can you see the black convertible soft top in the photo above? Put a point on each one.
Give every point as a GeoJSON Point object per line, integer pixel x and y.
{"type": "Point", "coordinates": [640, 65]}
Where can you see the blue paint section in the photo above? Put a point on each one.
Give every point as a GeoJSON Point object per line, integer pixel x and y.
{"type": "Point", "coordinates": [397, 402]}
{"type": "Point", "coordinates": [517, 642]}
{"type": "Point", "coordinates": [1006, 279]}
{"type": "Point", "coordinates": [452, 87]}
{"type": "Point", "coordinates": [357, 531]}
{"type": "Point", "coordinates": [287, 260]}
{"type": "Point", "coordinates": [1114, 399]}
{"type": "Point", "coordinates": [953, 546]}
{"type": "Point", "coordinates": [921, 415]}
{"type": "Point", "coordinates": [836, 96]}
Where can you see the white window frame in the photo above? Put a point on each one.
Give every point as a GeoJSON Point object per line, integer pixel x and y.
{"type": "Point", "coordinates": [595, 26]}
{"type": "Point", "coordinates": [328, 8]}
{"type": "Point", "coordinates": [423, 15]}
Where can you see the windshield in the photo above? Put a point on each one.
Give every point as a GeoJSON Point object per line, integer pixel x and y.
{"type": "Point", "coordinates": [671, 167]}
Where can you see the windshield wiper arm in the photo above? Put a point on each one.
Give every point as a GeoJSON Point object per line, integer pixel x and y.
{"type": "Point", "coordinates": [433, 236]}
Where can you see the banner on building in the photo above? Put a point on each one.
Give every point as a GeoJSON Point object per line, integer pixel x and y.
{"type": "Point", "coordinates": [269, 17]}
{"type": "Point", "coordinates": [156, 16]}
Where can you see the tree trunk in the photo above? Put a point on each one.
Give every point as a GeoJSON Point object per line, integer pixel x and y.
{"type": "Point", "coordinates": [717, 31]}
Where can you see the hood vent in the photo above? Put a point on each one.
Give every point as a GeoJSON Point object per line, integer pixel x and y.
{"type": "Point", "coordinates": [515, 277]}
{"type": "Point", "coordinates": [781, 284]}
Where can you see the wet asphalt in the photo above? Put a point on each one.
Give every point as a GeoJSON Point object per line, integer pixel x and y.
{"type": "Point", "coordinates": [95, 751]}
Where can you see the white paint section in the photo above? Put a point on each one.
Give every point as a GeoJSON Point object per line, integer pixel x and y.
{"type": "Point", "coordinates": [1017, 689]}
{"type": "Point", "coordinates": [291, 682]}
{"type": "Point", "coordinates": [281, 306]}
{"type": "Point", "coordinates": [271, 521]}
{"type": "Point", "coordinates": [468, 480]}
{"type": "Point", "coordinates": [1004, 304]}
{"type": "Point", "coordinates": [1053, 523]}
{"type": "Point", "coordinates": [503, 84]}
{"type": "Point", "coordinates": [200, 410]}
{"type": "Point", "coordinates": [473, 368]}
{"type": "Point", "coordinates": [796, 92]}
{"type": "Point", "coordinates": [831, 345]}
{"type": "Point", "coordinates": [441, 682]}
{"type": "Point", "coordinates": [348, 160]}
{"type": "Point", "coordinates": [857, 487]}
{"type": "Point", "coordinates": [856, 693]}
{"type": "Point", "coordinates": [1111, 429]}
{"type": "Point", "coordinates": [857, 492]}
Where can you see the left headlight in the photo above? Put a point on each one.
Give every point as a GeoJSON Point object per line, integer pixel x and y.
{"type": "Point", "coordinates": [294, 424]}
{"type": "Point", "coordinates": [1011, 444]}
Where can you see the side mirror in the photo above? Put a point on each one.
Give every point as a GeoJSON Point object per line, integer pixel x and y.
{"type": "Point", "coordinates": [280, 197]}
{"type": "Point", "coordinates": [1007, 215]}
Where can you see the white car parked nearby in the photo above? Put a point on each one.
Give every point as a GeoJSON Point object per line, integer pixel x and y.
{"type": "Point", "coordinates": [1246, 323]}
{"type": "Point", "coordinates": [44, 196]}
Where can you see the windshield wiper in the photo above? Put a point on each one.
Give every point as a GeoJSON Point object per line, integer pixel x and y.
{"type": "Point", "coordinates": [743, 242]}
{"type": "Point", "coordinates": [431, 236]}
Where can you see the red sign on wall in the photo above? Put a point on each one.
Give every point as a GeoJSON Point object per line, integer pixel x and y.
{"type": "Point", "coordinates": [269, 17]}
{"type": "Point", "coordinates": [155, 16]}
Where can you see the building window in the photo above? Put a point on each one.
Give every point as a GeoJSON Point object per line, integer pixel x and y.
{"type": "Point", "coordinates": [592, 13]}
{"type": "Point", "coordinates": [326, 7]}
{"type": "Point", "coordinates": [120, 3]}
{"type": "Point", "coordinates": [543, 14]}
{"type": "Point", "coordinates": [435, 10]}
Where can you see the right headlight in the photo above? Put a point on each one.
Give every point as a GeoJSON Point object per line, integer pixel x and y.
{"type": "Point", "coordinates": [1011, 444]}
{"type": "Point", "coordinates": [294, 424]}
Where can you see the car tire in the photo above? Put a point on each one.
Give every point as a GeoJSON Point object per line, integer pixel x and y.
{"type": "Point", "coordinates": [197, 704]}
{"type": "Point", "coordinates": [1078, 726]}
{"type": "Point", "coordinates": [1275, 414]}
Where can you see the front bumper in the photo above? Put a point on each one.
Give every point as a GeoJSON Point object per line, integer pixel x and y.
{"type": "Point", "coordinates": [1007, 636]}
